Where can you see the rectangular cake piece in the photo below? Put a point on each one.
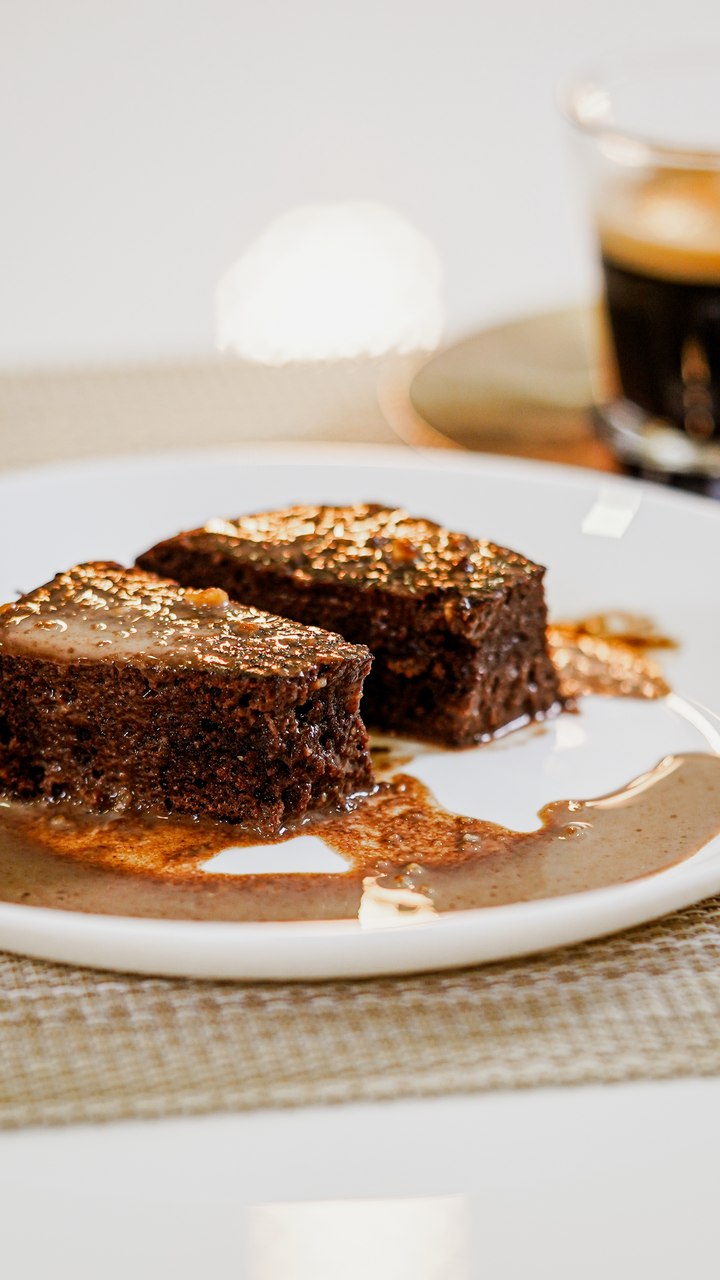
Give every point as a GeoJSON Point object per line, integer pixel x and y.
{"type": "Point", "coordinates": [456, 626]}
{"type": "Point", "coordinates": [120, 690]}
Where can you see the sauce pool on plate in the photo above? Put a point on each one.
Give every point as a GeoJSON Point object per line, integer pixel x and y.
{"type": "Point", "coordinates": [407, 856]}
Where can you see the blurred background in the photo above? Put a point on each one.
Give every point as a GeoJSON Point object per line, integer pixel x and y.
{"type": "Point", "coordinates": [146, 143]}
{"type": "Point", "coordinates": [296, 184]}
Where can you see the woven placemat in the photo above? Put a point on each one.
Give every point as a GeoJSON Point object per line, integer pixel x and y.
{"type": "Point", "coordinates": [80, 1046]}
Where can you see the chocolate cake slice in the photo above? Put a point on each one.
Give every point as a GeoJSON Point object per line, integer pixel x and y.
{"type": "Point", "coordinates": [123, 691]}
{"type": "Point", "coordinates": [456, 626]}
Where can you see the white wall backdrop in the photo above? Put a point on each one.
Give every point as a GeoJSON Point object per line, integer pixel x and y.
{"type": "Point", "coordinates": [144, 143]}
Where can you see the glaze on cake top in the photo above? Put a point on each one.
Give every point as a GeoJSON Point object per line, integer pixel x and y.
{"type": "Point", "coordinates": [103, 612]}
{"type": "Point", "coordinates": [368, 545]}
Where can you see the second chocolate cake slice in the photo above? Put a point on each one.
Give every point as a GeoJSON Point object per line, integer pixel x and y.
{"type": "Point", "coordinates": [456, 626]}
{"type": "Point", "coordinates": [120, 690]}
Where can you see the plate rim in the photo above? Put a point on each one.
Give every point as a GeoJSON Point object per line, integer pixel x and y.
{"type": "Point", "coordinates": [643, 899]}
{"type": "Point", "coordinates": [416, 458]}
{"type": "Point", "coordinates": [230, 950]}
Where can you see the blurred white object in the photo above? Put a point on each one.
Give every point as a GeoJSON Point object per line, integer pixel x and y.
{"type": "Point", "coordinates": [424, 1238]}
{"type": "Point", "coordinates": [332, 281]}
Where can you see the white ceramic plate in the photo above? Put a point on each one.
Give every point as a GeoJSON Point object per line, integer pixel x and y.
{"type": "Point", "coordinates": [608, 544]}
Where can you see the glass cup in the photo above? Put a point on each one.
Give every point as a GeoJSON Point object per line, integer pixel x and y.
{"type": "Point", "coordinates": [648, 133]}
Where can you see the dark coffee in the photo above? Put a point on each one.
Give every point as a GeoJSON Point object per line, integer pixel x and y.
{"type": "Point", "coordinates": [660, 242]}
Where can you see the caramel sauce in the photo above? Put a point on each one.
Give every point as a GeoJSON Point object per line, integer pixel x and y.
{"type": "Point", "coordinates": [607, 653]}
{"type": "Point", "coordinates": [101, 610]}
{"type": "Point", "coordinates": [406, 855]}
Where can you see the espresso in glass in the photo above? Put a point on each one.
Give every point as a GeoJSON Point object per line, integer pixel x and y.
{"type": "Point", "coordinates": [660, 247]}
